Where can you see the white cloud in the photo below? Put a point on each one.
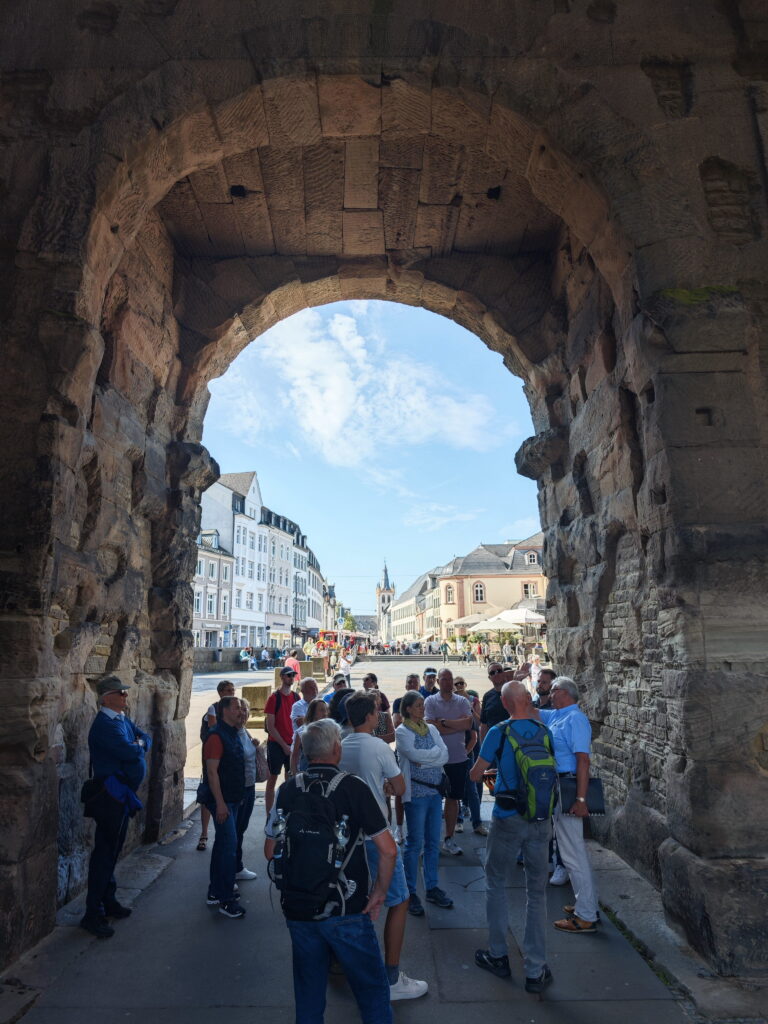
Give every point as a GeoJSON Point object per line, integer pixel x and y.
{"type": "Point", "coordinates": [328, 383]}
{"type": "Point", "coordinates": [431, 516]}
{"type": "Point", "coordinates": [519, 529]}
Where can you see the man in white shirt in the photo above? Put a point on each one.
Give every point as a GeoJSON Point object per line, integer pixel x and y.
{"type": "Point", "coordinates": [308, 689]}
{"type": "Point", "coordinates": [374, 762]}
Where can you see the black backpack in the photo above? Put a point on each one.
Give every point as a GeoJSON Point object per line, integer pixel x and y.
{"type": "Point", "coordinates": [205, 729]}
{"type": "Point", "coordinates": [313, 849]}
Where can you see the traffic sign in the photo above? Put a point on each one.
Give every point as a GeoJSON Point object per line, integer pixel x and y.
{"type": "Point", "coordinates": [339, 623]}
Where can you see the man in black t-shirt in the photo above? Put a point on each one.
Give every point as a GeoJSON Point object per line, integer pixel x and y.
{"type": "Point", "coordinates": [492, 710]}
{"type": "Point", "coordinates": [349, 937]}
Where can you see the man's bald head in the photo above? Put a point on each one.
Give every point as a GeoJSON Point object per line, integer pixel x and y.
{"type": "Point", "coordinates": [515, 698]}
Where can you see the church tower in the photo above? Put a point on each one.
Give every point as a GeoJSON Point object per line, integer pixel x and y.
{"type": "Point", "coordinates": [385, 593]}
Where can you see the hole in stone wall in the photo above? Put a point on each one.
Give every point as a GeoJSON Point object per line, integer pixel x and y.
{"type": "Point", "coordinates": [727, 190]}
{"type": "Point", "coordinates": [649, 394]}
{"type": "Point", "coordinates": [672, 82]}
{"type": "Point", "coordinates": [630, 419]}
{"type": "Point", "coordinates": [572, 609]}
{"type": "Point", "coordinates": [567, 516]}
{"type": "Point", "coordinates": [91, 475]}
{"type": "Point", "coordinates": [566, 566]}
{"type": "Point", "coordinates": [659, 495]}
{"type": "Point", "coordinates": [705, 417]}
{"type": "Point", "coordinates": [579, 473]}
{"type": "Point", "coordinates": [608, 348]}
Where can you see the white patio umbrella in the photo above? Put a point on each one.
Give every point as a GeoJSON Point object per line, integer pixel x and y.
{"type": "Point", "coordinates": [510, 617]}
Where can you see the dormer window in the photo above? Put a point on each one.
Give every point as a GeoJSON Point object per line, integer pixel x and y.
{"type": "Point", "coordinates": [532, 558]}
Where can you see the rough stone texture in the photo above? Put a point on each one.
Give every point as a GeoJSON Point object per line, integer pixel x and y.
{"type": "Point", "coordinates": [582, 185]}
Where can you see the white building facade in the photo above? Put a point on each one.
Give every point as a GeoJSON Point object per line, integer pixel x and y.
{"type": "Point", "coordinates": [212, 592]}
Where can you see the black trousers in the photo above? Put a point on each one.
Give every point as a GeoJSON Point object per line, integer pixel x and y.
{"type": "Point", "coordinates": [111, 820]}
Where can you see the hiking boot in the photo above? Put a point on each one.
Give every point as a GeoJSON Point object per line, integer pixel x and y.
{"type": "Point", "coordinates": [450, 846]}
{"type": "Point", "coordinates": [537, 985]}
{"type": "Point", "coordinates": [498, 965]}
{"type": "Point", "coordinates": [116, 910]}
{"type": "Point", "coordinates": [415, 906]}
{"type": "Point", "coordinates": [407, 988]}
{"type": "Point", "coordinates": [439, 898]}
{"type": "Point", "coordinates": [232, 909]}
{"type": "Point", "coordinates": [97, 926]}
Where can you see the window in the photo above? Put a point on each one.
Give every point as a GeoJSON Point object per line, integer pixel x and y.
{"type": "Point", "coordinates": [261, 602]}
{"type": "Point", "coordinates": [274, 549]}
{"type": "Point", "coordinates": [224, 605]}
{"type": "Point", "coordinates": [531, 558]}
{"type": "Point", "coordinates": [198, 602]}
{"type": "Point", "coordinates": [252, 541]}
{"type": "Point", "coordinates": [479, 593]}
{"type": "Point", "coordinates": [237, 534]}
{"type": "Point", "coordinates": [250, 570]}
{"type": "Point", "coordinates": [280, 605]}
{"type": "Point", "coordinates": [196, 637]}
{"type": "Point", "coordinates": [530, 589]}
{"type": "Point", "coordinates": [210, 605]}
{"type": "Point", "coordinates": [238, 599]}
{"type": "Point", "coordinates": [200, 567]}
{"type": "Point", "coordinates": [211, 570]}
{"type": "Point", "coordinates": [449, 596]}
{"type": "Point", "coordinates": [225, 572]}
{"type": "Point", "coordinates": [249, 600]}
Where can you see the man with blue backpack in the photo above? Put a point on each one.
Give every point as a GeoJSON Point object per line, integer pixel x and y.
{"type": "Point", "coordinates": [522, 751]}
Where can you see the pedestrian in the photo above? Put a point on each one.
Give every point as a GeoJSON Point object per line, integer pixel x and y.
{"type": "Point", "coordinates": [422, 754]}
{"type": "Point", "coordinates": [118, 750]}
{"type": "Point", "coordinates": [317, 709]}
{"type": "Point", "coordinates": [376, 765]}
{"type": "Point", "coordinates": [543, 698]}
{"type": "Point", "coordinates": [245, 808]}
{"type": "Point", "coordinates": [279, 729]}
{"type": "Point", "coordinates": [471, 797]}
{"type": "Point", "coordinates": [225, 688]}
{"type": "Point", "coordinates": [430, 682]}
{"type": "Point", "coordinates": [225, 779]}
{"type": "Point", "coordinates": [346, 661]}
{"type": "Point", "coordinates": [411, 683]}
{"type": "Point", "coordinates": [492, 710]}
{"type": "Point", "coordinates": [444, 649]}
{"type": "Point", "coordinates": [572, 735]}
{"type": "Point", "coordinates": [342, 925]}
{"type": "Point", "coordinates": [506, 651]}
{"type": "Point", "coordinates": [520, 652]}
{"type": "Point", "coordinates": [452, 716]}
{"type": "Point", "coordinates": [308, 691]}
{"type": "Point", "coordinates": [371, 682]}
{"type": "Point", "coordinates": [509, 833]}
{"type": "Point", "coordinates": [292, 661]}
{"type": "Point", "coordinates": [244, 658]}
{"type": "Point", "coordinates": [265, 663]}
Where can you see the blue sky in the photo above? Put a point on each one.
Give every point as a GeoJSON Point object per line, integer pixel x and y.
{"type": "Point", "coordinates": [385, 432]}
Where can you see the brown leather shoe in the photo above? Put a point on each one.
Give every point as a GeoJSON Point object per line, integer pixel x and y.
{"type": "Point", "coordinates": [576, 925]}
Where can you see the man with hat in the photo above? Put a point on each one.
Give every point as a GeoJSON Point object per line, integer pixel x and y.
{"type": "Point", "coordinates": [279, 727]}
{"type": "Point", "coordinates": [338, 683]}
{"type": "Point", "coordinates": [118, 751]}
{"type": "Point", "coordinates": [430, 683]}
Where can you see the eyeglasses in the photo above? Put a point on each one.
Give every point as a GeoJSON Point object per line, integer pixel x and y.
{"type": "Point", "coordinates": [495, 671]}
{"type": "Point", "coordinates": [460, 685]}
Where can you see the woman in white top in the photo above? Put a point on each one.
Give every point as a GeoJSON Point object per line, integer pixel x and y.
{"type": "Point", "coordinates": [421, 753]}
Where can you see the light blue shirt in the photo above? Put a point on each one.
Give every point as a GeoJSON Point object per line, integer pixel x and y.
{"type": "Point", "coordinates": [571, 732]}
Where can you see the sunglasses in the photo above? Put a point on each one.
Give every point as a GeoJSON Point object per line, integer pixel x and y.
{"type": "Point", "coordinates": [496, 671]}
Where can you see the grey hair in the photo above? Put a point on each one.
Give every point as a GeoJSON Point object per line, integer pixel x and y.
{"type": "Point", "coordinates": [567, 684]}
{"type": "Point", "coordinates": [320, 738]}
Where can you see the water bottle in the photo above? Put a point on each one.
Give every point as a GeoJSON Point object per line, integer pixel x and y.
{"type": "Point", "coordinates": [342, 838]}
{"type": "Point", "coordinates": [278, 832]}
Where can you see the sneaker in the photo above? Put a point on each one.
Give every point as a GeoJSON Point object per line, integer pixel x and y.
{"type": "Point", "coordinates": [459, 826]}
{"type": "Point", "coordinates": [559, 876]}
{"type": "Point", "coordinates": [439, 898]}
{"type": "Point", "coordinates": [97, 926]}
{"type": "Point", "coordinates": [407, 988]}
{"type": "Point", "coordinates": [414, 906]}
{"type": "Point", "coordinates": [116, 910]}
{"type": "Point", "coordinates": [481, 829]}
{"type": "Point", "coordinates": [245, 875]}
{"type": "Point", "coordinates": [211, 900]}
{"type": "Point", "coordinates": [450, 846]}
{"type": "Point", "coordinates": [537, 985]}
{"type": "Point", "coordinates": [232, 909]}
{"type": "Point", "coordinates": [397, 835]}
{"type": "Point", "coordinates": [498, 965]}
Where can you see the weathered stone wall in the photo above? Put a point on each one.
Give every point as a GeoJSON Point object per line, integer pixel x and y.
{"type": "Point", "coordinates": [582, 185]}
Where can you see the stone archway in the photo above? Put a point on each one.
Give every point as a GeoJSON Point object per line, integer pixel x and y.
{"type": "Point", "coordinates": [616, 280]}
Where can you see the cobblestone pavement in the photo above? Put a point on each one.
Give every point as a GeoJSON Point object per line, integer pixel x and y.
{"type": "Point", "coordinates": [177, 960]}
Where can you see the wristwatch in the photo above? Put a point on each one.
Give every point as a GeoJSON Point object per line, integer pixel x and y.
{"type": "Point", "coordinates": [581, 799]}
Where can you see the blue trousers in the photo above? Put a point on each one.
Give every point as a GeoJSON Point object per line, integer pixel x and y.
{"type": "Point", "coordinates": [352, 941]}
{"type": "Point", "coordinates": [244, 812]}
{"type": "Point", "coordinates": [224, 854]}
{"type": "Point", "coordinates": [424, 817]}
{"type": "Point", "coordinates": [111, 825]}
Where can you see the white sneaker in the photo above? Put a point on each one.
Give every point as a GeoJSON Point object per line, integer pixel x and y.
{"type": "Point", "coordinates": [407, 988]}
{"type": "Point", "coordinates": [559, 877]}
{"type": "Point", "coordinates": [449, 845]}
{"type": "Point", "coordinates": [245, 875]}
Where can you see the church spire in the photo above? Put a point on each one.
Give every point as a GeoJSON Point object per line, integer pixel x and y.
{"type": "Point", "coordinates": [385, 582]}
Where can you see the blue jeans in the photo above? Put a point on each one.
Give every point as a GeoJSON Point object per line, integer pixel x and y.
{"type": "Point", "coordinates": [224, 854]}
{"type": "Point", "coordinates": [397, 892]}
{"type": "Point", "coordinates": [506, 837]}
{"type": "Point", "coordinates": [244, 812]}
{"type": "Point", "coordinates": [424, 817]}
{"type": "Point", "coordinates": [352, 941]}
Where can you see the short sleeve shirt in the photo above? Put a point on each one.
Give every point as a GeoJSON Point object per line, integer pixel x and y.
{"type": "Point", "coordinates": [571, 732]}
{"type": "Point", "coordinates": [435, 708]}
{"type": "Point", "coordinates": [492, 710]}
{"type": "Point", "coordinates": [506, 765]}
{"type": "Point", "coordinates": [372, 761]}
{"type": "Point", "coordinates": [354, 798]}
{"type": "Point", "coordinates": [283, 722]}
